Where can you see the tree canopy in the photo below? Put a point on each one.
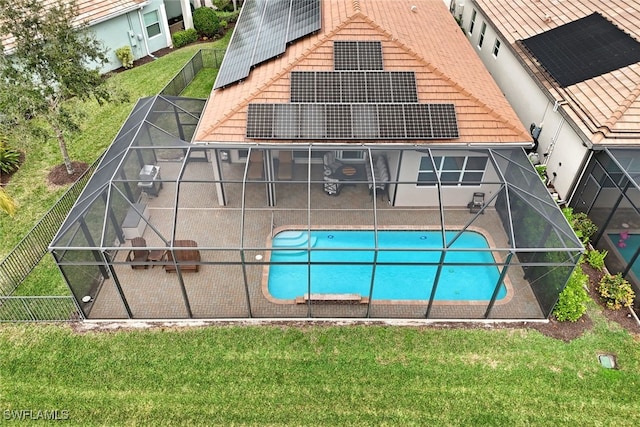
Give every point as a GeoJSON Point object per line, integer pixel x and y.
{"type": "Point", "coordinates": [49, 57]}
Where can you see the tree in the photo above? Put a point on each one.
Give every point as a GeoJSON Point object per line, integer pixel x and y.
{"type": "Point", "coordinates": [49, 58]}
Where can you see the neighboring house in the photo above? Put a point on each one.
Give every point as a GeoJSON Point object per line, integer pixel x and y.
{"type": "Point", "coordinates": [571, 70]}
{"type": "Point", "coordinates": [141, 24]}
{"type": "Point", "coordinates": [355, 159]}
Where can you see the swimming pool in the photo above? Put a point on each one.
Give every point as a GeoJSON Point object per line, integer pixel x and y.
{"type": "Point", "coordinates": [627, 249]}
{"type": "Point", "coordinates": [345, 265]}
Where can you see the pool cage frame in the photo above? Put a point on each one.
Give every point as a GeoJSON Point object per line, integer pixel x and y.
{"type": "Point", "coordinates": [609, 193]}
{"type": "Point", "coordinates": [210, 196]}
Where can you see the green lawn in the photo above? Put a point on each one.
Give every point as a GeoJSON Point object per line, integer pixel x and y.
{"type": "Point", "coordinates": [314, 375]}
{"type": "Point", "coordinates": [100, 125]}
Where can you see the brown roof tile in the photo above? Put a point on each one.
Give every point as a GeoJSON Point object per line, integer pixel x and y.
{"type": "Point", "coordinates": [427, 41]}
{"type": "Point", "coordinates": [606, 107]}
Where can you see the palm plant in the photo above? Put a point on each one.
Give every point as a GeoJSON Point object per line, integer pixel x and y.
{"type": "Point", "coordinates": [6, 203]}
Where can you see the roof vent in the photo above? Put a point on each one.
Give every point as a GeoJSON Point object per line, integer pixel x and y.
{"type": "Point", "coordinates": [414, 8]}
{"type": "Point", "coordinates": [548, 18]}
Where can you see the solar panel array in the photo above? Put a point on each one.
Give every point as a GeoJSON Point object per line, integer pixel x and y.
{"type": "Point", "coordinates": [583, 49]}
{"type": "Point", "coordinates": [357, 55]}
{"type": "Point", "coordinates": [352, 121]}
{"type": "Point", "coordinates": [353, 86]}
{"type": "Point", "coordinates": [262, 32]}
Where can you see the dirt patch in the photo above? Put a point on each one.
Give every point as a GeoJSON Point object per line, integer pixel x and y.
{"type": "Point", "coordinates": [59, 175]}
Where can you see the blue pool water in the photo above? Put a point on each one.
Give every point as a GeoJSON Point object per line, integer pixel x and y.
{"type": "Point", "coordinates": [631, 244]}
{"type": "Point", "coordinates": [467, 282]}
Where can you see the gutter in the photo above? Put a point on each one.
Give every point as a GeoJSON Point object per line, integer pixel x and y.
{"type": "Point", "coordinates": [119, 13]}
{"type": "Point", "coordinates": [560, 103]}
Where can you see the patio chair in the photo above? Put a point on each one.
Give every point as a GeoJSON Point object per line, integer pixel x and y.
{"type": "Point", "coordinates": [332, 186]}
{"type": "Point", "coordinates": [477, 203]}
{"type": "Point", "coordinates": [138, 255]}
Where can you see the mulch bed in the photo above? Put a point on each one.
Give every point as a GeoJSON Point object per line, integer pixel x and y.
{"type": "Point", "coordinates": [567, 331]}
{"type": "Point", "coordinates": [59, 175]}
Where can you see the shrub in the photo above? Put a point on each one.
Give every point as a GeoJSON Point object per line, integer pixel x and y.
{"type": "Point", "coordinates": [224, 24]}
{"type": "Point", "coordinates": [125, 55]}
{"type": "Point", "coordinates": [183, 38]}
{"type": "Point", "coordinates": [206, 22]}
{"type": "Point", "coordinates": [596, 258]}
{"type": "Point", "coordinates": [542, 172]}
{"type": "Point", "coordinates": [616, 291]}
{"type": "Point", "coordinates": [223, 5]}
{"type": "Point", "coordinates": [230, 17]}
{"type": "Point", "coordinates": [572, 303]}
{"type": "Point", "coordinates": [581, 224]}
{"type": "Point", "coordinates": [9, 159]}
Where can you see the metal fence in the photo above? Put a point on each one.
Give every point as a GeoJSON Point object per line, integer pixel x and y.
{"type": "Point", "coordinates": [19, 263]}
{"type": "Point", "coordinates": [28, 253]}
{"type": "Point", "coordinates": [39, 309]}
{"type": "Point", "coordinates": [204, 58]}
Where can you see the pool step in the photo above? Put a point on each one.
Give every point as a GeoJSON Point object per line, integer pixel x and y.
{"type": "Point", "coordinates": [294, 239]}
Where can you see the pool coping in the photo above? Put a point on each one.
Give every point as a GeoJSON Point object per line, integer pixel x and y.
{"type": "Point", "coordinates": [497, 256]}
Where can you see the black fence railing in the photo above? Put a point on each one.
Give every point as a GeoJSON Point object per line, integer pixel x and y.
{"type": "Point", "coordinates": [34, 246]}
{"type": "Point", "coordinates": [204, 58]}
{"type": "Point", "coordinates": [28, 253]}
{"type": "Point", "coordinates": [39, 309]}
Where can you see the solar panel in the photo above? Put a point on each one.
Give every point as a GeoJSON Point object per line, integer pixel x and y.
{"type": "Point", "coordinates": [272, 37]}
{"type": "Point", "coordinates": [354, 86]}
{"type": "Point", "coordinates": [262, 32]}
{"type": "Point", "coordinates": [357, 55]}
{"type": "Point", "coordinates": [352, 121]}
{"type": "Point", "coordinates": [304, 18]}
{"type": "Point", "coordinates": [583, 49]}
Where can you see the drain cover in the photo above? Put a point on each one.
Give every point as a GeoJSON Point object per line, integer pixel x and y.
{"type": "Point", "coordinates": [607, 360]}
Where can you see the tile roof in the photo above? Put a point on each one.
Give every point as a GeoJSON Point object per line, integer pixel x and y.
{"type": "Point", "coordinates": [90, 12]}
{"type": "Point", "coordinates": [605, 108]}
{"type": "Point", "coordinates": [426, 40]}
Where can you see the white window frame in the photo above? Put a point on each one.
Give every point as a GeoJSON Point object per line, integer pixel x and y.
{"type": "Point", "coordinates": [149, 25]}
{"type": "Point", "coordinates": [483, 30]}
{"type": "Point", "coordinates": [473, 21]}
{"type": "Point", "coordinates": [443, 168]}
{"type": "Point", "coordinates": [496, 48]}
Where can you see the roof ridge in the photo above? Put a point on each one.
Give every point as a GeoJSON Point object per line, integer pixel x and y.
{"type": "Point", "coordinates": [623, 107]}
{"type": "Point", "coordinates": [446, 77]}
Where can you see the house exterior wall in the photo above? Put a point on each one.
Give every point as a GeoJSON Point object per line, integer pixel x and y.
{"type": "Point", "coordinates": [564, 146]}
{"type": "Point", "coordinates": [129, 30]}
{"type": "Point", "coordinates": [414, 195]}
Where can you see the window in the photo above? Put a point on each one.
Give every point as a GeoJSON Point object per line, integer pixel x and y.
{"type": "Point", "coordinates": [496, 48]}
{"type": "Point", "coordinates": [482, 31]}
{"type": "Point", "coordinates": [452, 170]}
{"type": "Point", "coordinates": [152, 23]}
{"type": "Point", "coordinates": [473, 21]}
{"type": "Point", "coordinates": [350, 154]}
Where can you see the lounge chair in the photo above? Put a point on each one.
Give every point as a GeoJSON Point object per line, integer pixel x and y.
{"type": "Point", "coordinates": [138, 255]}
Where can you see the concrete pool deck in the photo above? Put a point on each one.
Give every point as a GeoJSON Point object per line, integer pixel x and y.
{"type": "Point", "coordinates": [218, 290]}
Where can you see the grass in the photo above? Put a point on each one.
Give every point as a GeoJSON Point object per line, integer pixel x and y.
{"type": "Point", "coordinates": [100, 125]}
{"type": "Point", "coordinates": [351, 375]}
